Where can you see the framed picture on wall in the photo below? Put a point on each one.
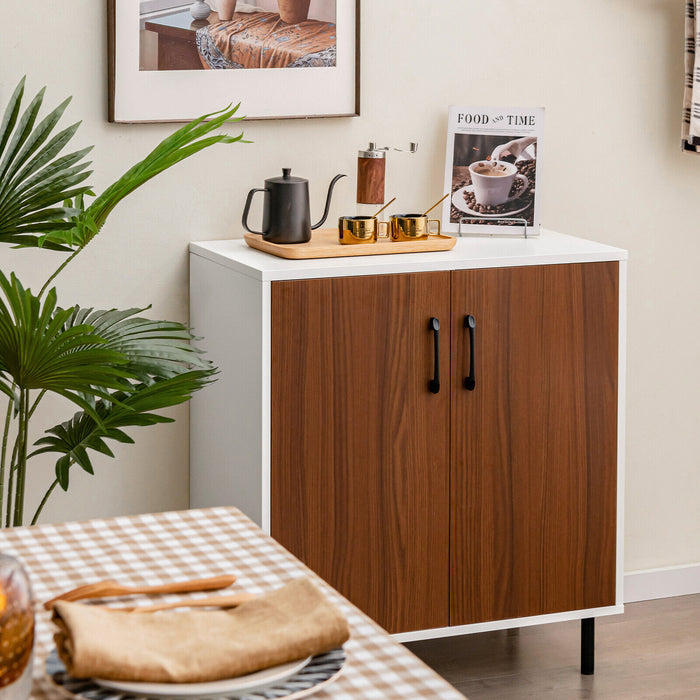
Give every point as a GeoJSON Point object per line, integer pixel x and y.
{"type": "Point", "coordinates": [170, 61]}
{"type": "Point", "coordinates": [491, 170]}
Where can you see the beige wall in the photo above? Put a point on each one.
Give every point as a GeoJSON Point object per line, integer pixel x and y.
{"type": "Point", "coordinates": [609, 73]}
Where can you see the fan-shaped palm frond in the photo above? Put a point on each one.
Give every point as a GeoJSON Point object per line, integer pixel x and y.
{"type": "Point", "coordinates": [186, 141]}
{"type": "Point", "coordinates": [35, 183]}
{"type": "Point", "coordinates": [41, 350]}
{"type": "Point", "coordinates": [118, 367]}
{"type": "Point", "coordinates": [154, 349]}
{"type": "Point", "coordinates": [81, 433]}
{"type": "Point", "coordinates": [41, 194]}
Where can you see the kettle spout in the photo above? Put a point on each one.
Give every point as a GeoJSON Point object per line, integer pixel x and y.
{"type": "Point", "coordinates": [328, 201]}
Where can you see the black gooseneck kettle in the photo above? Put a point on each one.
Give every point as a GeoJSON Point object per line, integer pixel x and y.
{"type": "Point", "coordinates": [286, 209]}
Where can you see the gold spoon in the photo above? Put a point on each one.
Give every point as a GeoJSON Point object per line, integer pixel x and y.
{"type": "Point", "coordinates": [384, 207]}
{"type": "Point", "coordinates": [442, 199]}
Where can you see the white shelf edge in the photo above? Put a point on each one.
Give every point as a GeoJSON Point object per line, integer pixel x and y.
{"type": "Point", "coordinates": [550, 248]}
{"type": "Point", "coordinates": [456, 630]}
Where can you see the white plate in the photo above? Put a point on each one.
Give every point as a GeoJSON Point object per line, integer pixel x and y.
{"type": "Point", "coordinates": [461, 204]}
{"type": "Point", "coordinates": [215, 689]}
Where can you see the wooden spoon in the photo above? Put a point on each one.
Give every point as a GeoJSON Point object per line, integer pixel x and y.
{"type": "Point", "coordinates": [213, 602]}
{"type": "Point", "coordinates": [107, 589]}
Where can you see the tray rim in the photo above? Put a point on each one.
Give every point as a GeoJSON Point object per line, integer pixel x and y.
{"type": "Point", "coordinates": [288, 251]}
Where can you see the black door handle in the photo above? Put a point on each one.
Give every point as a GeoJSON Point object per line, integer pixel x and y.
{"type": "Point", "coordinates": [434, 383]}
{"type": "Point", "coordinates": [470, 381]}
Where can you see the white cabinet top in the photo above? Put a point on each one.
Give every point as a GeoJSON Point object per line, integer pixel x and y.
{"type": "Point", "coordinates": [549, 248]}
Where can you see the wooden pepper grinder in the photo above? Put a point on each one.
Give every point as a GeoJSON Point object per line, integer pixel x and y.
{"type": "Point", "coordinates": [371, 172]}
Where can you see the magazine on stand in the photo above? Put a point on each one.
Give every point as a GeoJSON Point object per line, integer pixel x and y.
{"type": "Point", "coordinates": [491, 171]}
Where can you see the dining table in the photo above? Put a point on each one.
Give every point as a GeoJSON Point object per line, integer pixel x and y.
{"type": "Point", "coordinates": [160, 548]}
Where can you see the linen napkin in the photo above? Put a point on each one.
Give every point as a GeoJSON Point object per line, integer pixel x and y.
{"type": "Point", "coordinates": [289, 623]}
{"type": "Point", "coordinates": [691, 99]}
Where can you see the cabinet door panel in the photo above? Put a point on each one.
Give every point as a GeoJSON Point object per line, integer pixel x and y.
{"type": "Point", "coordinates": [360, 446]}
{"type": "Point", "coordinates": [534, 447]}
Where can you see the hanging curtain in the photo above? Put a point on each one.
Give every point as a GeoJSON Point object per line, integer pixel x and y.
{"type": "Point", "coordinates": [691, 102]}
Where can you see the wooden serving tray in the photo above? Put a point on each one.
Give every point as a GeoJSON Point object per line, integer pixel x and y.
{"type": "Point", "coordinates": [324, 244]}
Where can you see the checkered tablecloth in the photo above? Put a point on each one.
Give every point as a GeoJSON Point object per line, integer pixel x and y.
{"type": "Point", "coordinates": [152, 549]}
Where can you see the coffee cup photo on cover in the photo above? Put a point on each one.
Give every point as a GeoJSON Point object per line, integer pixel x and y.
{"type": "Point", "coordinates": [493, 177]}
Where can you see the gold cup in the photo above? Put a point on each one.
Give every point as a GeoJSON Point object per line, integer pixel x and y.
{"type": "Point", "coordinates": [412, 227]}
{"type": "Point", "coordinates": [355, 230]}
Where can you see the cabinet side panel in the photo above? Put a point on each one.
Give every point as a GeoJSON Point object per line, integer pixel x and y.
{"type": "Point", "coordinates": [226, 430]}
{"type": "Point", "coordinates": [360, 446]}
{"type": "Point", "coordinates": [601, 300]}
{"type": "Point", "coordinates": [534, 456]}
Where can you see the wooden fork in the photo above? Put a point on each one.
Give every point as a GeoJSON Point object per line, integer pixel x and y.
{"type": "Point", "coordinates": [231, 601]}
{"type": "Point", "coordinates": [108, 589]}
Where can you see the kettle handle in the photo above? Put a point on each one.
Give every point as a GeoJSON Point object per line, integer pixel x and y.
{"type": "Point", "coordinates": [246, 210]}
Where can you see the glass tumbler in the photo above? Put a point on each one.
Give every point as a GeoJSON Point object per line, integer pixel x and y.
{"type": "Point", "coordinates": [16, 631]}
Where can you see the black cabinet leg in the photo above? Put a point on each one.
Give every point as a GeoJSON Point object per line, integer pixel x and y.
{"type": "Point", "coordinates": [587, 646]}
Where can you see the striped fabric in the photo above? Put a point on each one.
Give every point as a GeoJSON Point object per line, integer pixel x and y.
{"type": "Point", "coordinates": [263, 40]}
{"type": "Point", "coordinates": [691, 102]}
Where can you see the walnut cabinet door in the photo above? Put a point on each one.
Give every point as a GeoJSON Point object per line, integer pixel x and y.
{"type": "Point", "coordinates": [534, 448]}
{"type": "Point", "coordinates": [360, 444]}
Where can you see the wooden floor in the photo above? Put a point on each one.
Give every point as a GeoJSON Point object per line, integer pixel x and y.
{"type": "Point", "coordinates": [652, 651]}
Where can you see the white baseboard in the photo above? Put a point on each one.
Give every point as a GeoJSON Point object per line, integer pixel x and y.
{"type": "Point", "coordinates": [668, 582]}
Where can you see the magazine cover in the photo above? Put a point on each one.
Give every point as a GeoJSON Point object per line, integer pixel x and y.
{"type": "Point", "coordinates": [491, 171]}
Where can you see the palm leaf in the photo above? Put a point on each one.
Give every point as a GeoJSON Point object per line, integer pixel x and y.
{"type": "Point", "coordinates": [36, 136]}
{"type": "Point", "coordinates": [82, 432]}
{"type": "Point", "coordinates": [34, 181]}
{"type": "Point", "coordinates": [11, 113]}
{"type": "Point", "coordinates": [41, 350]}
{"type": "Point", "coordinates": [6, 389]}
{"type": "Point", "coordinates": [154, 349]}
{"type": "Point", "coordinates": [22, 132]}
{"type": "Point", "coordinates": [186, 141]}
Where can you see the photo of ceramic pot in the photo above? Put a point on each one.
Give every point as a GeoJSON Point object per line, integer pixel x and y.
{"type": "Point", "coordinates": [226, 9]}
{"type": "Point", "coordinates": [294, 11]}
{"type": "Point", "coordinates": [200, 10]}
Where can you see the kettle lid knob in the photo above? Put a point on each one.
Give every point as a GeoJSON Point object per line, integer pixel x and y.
{"type": "Point", "coordinates": [286, 173]}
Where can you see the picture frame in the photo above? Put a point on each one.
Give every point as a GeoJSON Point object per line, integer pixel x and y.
{"type": "Point", "coordinates": [492, 169]}
{"type": "Point", "coordinates": [164, 65]}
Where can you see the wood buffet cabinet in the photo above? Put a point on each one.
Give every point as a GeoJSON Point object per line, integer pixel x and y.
{"type": "Point", "coordinates": [437, 435]}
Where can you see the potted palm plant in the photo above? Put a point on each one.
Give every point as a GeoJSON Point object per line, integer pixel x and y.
{"type": "Point", "coordinates": [117, 367]}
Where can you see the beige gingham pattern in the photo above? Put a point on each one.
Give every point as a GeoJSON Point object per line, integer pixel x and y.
{"type": "Point", "coordinates": [163, 547]}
